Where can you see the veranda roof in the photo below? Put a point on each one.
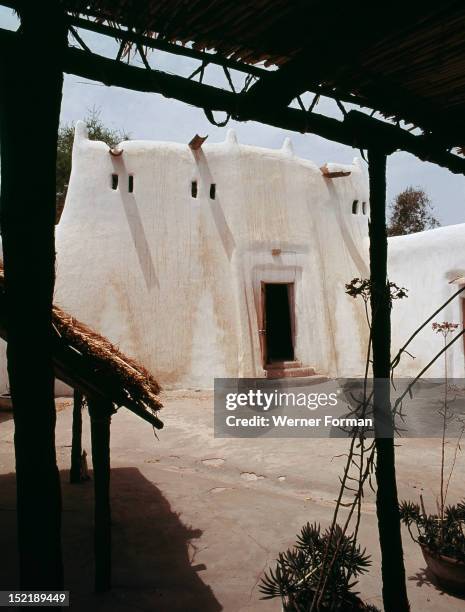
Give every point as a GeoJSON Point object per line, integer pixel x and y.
{"type": "Point", "coordinates": [405, 59]}
{"type": "Point", "coordinates": [402, 60]}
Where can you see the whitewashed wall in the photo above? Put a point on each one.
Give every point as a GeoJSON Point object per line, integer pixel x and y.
{"type": "Point", "coordinates": [427, 264]}
{"type": "Point", "coordinates": [175, 280]}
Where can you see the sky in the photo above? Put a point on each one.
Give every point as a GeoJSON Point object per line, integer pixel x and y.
{"type": "Point", "coordinates": [149, 116]}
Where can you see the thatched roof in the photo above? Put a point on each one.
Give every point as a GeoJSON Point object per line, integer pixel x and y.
{"type": "Point", "coordinates": [89, 362]}
{"type": "Point", "coordinates": [404, 59]}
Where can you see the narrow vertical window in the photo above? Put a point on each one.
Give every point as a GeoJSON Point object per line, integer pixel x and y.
{"type": "Point", "coordinates": [213, 191]}
{"type": "Point", "coordinates": [194, 189]}
{"type": "Point", "coordinates": [364, 208]}
{"type": "Point", "coordinates": [130, 183]}
{"type": "Point", "coordinates": [355, 207]}
{"type": "Point", "coordinates": [114, 181]}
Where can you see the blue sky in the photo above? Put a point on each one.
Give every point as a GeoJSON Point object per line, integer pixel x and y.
{"type": "Point", "coordinates": [150, 116]}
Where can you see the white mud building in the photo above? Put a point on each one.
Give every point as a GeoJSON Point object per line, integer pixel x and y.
{"type": "Point", "coordinates": [229, 260]}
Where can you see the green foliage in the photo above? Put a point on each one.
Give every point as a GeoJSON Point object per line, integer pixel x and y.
{"type": "Point", "coordinates": [97, 131]}
{"type": "Point", "coordinates": [411, 212]}
{"type": "Point", "coordinates": [362, 287]}
{"type": "Point", "coordinates": [299, 571]}
{"type": "Point", "coordinates": [444, 537]}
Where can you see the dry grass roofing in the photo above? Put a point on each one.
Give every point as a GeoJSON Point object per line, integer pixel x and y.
{"type": "Point", "coordinates": [89, 362]}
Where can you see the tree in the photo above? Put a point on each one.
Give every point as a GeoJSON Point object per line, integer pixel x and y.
{"type": "Point", "coordinates": [97, 131]}
{"type": "Point", "coordinates": [411, 212]}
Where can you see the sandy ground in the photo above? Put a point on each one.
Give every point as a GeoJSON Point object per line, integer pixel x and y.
{"type": "Point", "coordinates": [197, 520]}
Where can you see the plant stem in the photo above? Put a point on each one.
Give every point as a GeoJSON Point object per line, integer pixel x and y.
{"type": "Point", "coordinates": [443, 440]}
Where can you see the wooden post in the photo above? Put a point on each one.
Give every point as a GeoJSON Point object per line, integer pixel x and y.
{"type": "Point", "coordinates": [76, 443]}
{"type": "Point", "coordinates": [30, 100]}
{"type": "Point", "coordinates": [392, 561]}
{"type": "Point", "coordinates": [100, 417]}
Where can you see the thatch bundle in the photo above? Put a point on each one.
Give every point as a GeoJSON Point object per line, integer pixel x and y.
{"type": "Point", "coordinates": [89, 362]}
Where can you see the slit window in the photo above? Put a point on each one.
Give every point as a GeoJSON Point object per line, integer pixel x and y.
{"type": "Point", "coordinates": [364, 208]}
{"type": "Point", "coordinates": [131, 183]}
{"type": "Point", "coordinates": [355, 207]}
{"type": "Point", "coordinates": [212, 191]}
{"type": "Point", "coordinates": [194, 189]}
{"type": "Point", "coordinates": [114, 181]}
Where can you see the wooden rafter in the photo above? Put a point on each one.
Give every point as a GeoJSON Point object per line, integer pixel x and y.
{"type": "Point", "coordinates": [357, 129]}
{"type": "Point", "coordinates": [338, 59]}
{"type": "Point", "coordinates": [332, 62]}
{"type": "Point", "coordinates": [134, 38]}
{"type": "Point", "coordinates": [151, 42]}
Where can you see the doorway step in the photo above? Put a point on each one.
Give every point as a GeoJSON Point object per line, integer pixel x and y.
{"type": "Point", "coordinates": [288, 369]}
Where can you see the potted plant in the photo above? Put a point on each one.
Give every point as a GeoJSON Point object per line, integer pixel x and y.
{"type": "Point", "coordinates": [441, 536]}
{"type": "Point", "coordinates": [326, 563]}
{"type": "Point", "coordinates": [442, 542]}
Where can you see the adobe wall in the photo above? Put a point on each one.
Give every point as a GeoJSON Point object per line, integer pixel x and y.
{"type": "Point", "coordinates": [175, 280]}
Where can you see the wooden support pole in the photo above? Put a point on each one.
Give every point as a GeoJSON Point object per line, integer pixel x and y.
{"type": "Point", "coordinates": [76, 443]}
{"type": "Point", "coordinates": [100, 412]}
{"type": "Point", "coordinates": [392, 561]}
{"type": "Point", "coordinates": [27, 219]}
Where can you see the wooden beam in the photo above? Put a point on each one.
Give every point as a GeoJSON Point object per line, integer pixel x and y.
{"type": "Point", "coordinates": [197, 141]}
{"type": "Point", "coordinates": [119, 74]}
{"type": "Point", "coordinates": [376, 133]}
{"type": "Point", "coordinates": [162, 45]}
{"type": "Point", "coordinates": [335, 54]}
{"type": "Point", "coordinates": [387, 505]}
{"type": "Point", "coordinates": [279, 88]}
{"type": "Point", "coordinates": [113, 73]}
{"type": "Point", "coordinates": [389, 98]}
{"type": "Point", "coordinates": [76, 442]}
{"type": "Point", "coordinates": [100, 418]}
{"type": "Point", "coordinates": [357, 130]}
{"type": "Point", "coordinates": [329, 57]}
{"type": "Point", "coordinates": [135, 38]}
{"type": "Point", "coordinates": [326, 172]}
{"type": "Point", "coordinates": [27, 220]}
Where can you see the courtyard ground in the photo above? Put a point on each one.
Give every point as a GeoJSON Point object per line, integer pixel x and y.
{"type": "Point", "coordinates": [197, 520]}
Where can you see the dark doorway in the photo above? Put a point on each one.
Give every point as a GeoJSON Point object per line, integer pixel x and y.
{"type": "Point", "coordinates": [278, 298]}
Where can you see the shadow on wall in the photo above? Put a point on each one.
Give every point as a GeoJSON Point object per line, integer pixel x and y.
{"type": "Point", "coordinates": [222, 226]}
{"type": "Point", "coordinates": [140, 241]}
{"type": "Point", "coordinates": [352, 247]}
{"type": "Point", "coordinates": [153, 558]}
{"type": "Point", "coordinates": [136, 226]}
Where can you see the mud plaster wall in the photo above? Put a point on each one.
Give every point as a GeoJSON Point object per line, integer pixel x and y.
{"type": "Point", "coordinates": [175, 280]}
{"type": "Point", "coordinates": [429, 264]}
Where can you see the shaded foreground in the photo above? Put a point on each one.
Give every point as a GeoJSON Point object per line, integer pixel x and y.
{"type": "Point", "coordinates": [197, 520]}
